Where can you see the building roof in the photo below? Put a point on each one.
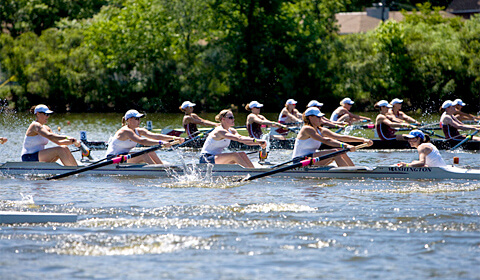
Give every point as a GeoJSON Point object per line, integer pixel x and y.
{"type": "Point", "coordinates": [464, 6]}
{"type": "Point", "coordinates": [360, 22]}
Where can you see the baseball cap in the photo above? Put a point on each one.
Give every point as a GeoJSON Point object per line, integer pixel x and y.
{"type": "Point", "coordinates": [133, 114]}
{"type": "Point", "coordinates": [459, 102]}
{"type": "Point", "coordinates": [255, 104]}
{"type": "Point", "coordinates": [291, 102]}
{"type": "Point", "coordinates": [383, 103]}
{"type": "Point", "coordinates": [414, 133]}
{"type": "Point", "coordinates": [314, 111]}
{"type": "Point", "coordinates": [187, 104]}
{"type": "Point", "coordinates": [347, 100]}
{"type": "Point", "coordinates": [314, 103]}
{"type": "Point", "coordinates": [447, 104]}
{"type": "Point", "coordinates": [396, 101]}
{"type": "Point", "coordinates": [42, 109]}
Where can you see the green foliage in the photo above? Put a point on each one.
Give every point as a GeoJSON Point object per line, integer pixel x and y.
{"type": "Point", "coordinates": [152, 55]}
{"type": "Point", "coordinates": [20, 16]}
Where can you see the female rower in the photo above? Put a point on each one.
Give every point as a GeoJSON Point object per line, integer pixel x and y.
{"type": "Point", "coordinates": [312, 135]}
{"type": "Point", "coordinates": [384, 124]}
{"type": "Point", "coordinates": [130, 134]}
{"type": "Point", "coordinates": [450, 124]}
{"type": "Point", "coordinates": [396, 114]}
{"type": "Point", "coordinates": [327, 122]}
{"type": "Point", "coordinates": [220, 138]}
{"type": "Point", "coordinates": [37, 136]}
{"type": "Point", "coordinates": [343, 114]}
{"type": "Point", "coordinates": [3, 140]}
{"type": "Point", "coordinates": [191, 120]}
{"type": "Point", "coordinates": [255, 121]}
{"type": "Point", "coordinates": [289, 115]}
{"type": "Point", "coordinates": [462, 116]}
{"type": "Point", "coordinates": [428, 154]}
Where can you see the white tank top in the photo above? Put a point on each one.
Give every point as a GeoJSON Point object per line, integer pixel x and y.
{"type": "Point", "coordinates": [33, 144]}
{"type": "Point", "coordinates": [306, 147]}
{"type": "Point", "coordinates": [434, 159]}
{"type": "Point", "coordinates": [282, 118]}
{"type": "Point", "coordinates": [214, 147]}
{"type": "Point", "coordinates": [334, 116]}
{"type": "Point", "coordinates": [117, 147]}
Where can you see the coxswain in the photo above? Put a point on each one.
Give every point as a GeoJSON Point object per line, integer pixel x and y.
{"type": "Point", "coordinates": [429, 156]}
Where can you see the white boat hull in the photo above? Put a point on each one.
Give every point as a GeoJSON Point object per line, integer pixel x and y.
{"type": "Point", "coordinates": [142, 170]}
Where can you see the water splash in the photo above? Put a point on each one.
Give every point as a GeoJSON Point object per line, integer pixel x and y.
{"type": "Point", "coordinates": [26, 202]}
{"type": "Point", "coordinates": [193, 176]}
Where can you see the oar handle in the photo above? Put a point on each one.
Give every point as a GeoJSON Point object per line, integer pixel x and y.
{"type": "Point", "coordinates": [85, 151]}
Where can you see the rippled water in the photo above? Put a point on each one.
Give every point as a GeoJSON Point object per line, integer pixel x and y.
{"type": "Point", "coordinates": [273, 228]}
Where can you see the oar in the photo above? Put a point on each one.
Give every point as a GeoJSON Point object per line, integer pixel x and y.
{"type": "Point", "coordinates": [341, 128]}
{"type": "Point", "coordinates": [431, 133]}
{"type": "Point", "coordinates": [300, 164]}
{"type": "Point", "coordinates": [283, 163]}
{"type": "Point", "coordinates": [465, 140]}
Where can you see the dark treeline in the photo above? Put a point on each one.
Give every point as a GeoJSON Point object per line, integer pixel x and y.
{"type": "Point", "coordinates": [151, 55]}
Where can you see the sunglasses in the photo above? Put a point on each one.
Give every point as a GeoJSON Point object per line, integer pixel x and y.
{"type": "Point", "coordinates": [137, 119]}
{"type": "Point", "coordinates": [230, 117]}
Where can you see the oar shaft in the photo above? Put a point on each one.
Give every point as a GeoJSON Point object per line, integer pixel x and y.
{"type": "Point", "coordinates": [465, 140]}
{"type": "Point", "coordinates": [302, 163]}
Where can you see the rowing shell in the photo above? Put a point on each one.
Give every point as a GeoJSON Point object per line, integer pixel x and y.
{"type": "Point", "coordinates": [233, 170]}
{"type": "Point", "coordinates": [288, 144]}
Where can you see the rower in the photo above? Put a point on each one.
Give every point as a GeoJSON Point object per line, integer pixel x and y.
{"type": "Point", "coordinates": [343, 114]}
{"type": "Point", "coordinates": [397, 115]}
{"type": "Point", "coordinates": [191, 120]}
{"type": "Point", "coordinates": [289, 115]}
{"type": "Point", "coordinates": [327, 122]}
{"type": "Point", "coordinates": [220, 138]}
{"type": "Point", "coordinates": [3, 140]}
{"type": "Point", "coordinates": [462, 116]}
{"type": "Point", "coordinates": [312, 135]}
{"type": "Point", "coordinates": [255, 121]}
{"type": "Point", "coordinates": [127, 137]}
{"type": "Point", "coordinates": [37, 136]}
{"type": "Point", "coordinates": [429, 155]}
{"type": "Point", "coordinates": [450, 124]}
{"type": "Point", "coordinates": [384, 124]}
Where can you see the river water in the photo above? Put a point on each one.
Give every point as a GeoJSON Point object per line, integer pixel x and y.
{"type": "Point", "coordinates": [271, 228]}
